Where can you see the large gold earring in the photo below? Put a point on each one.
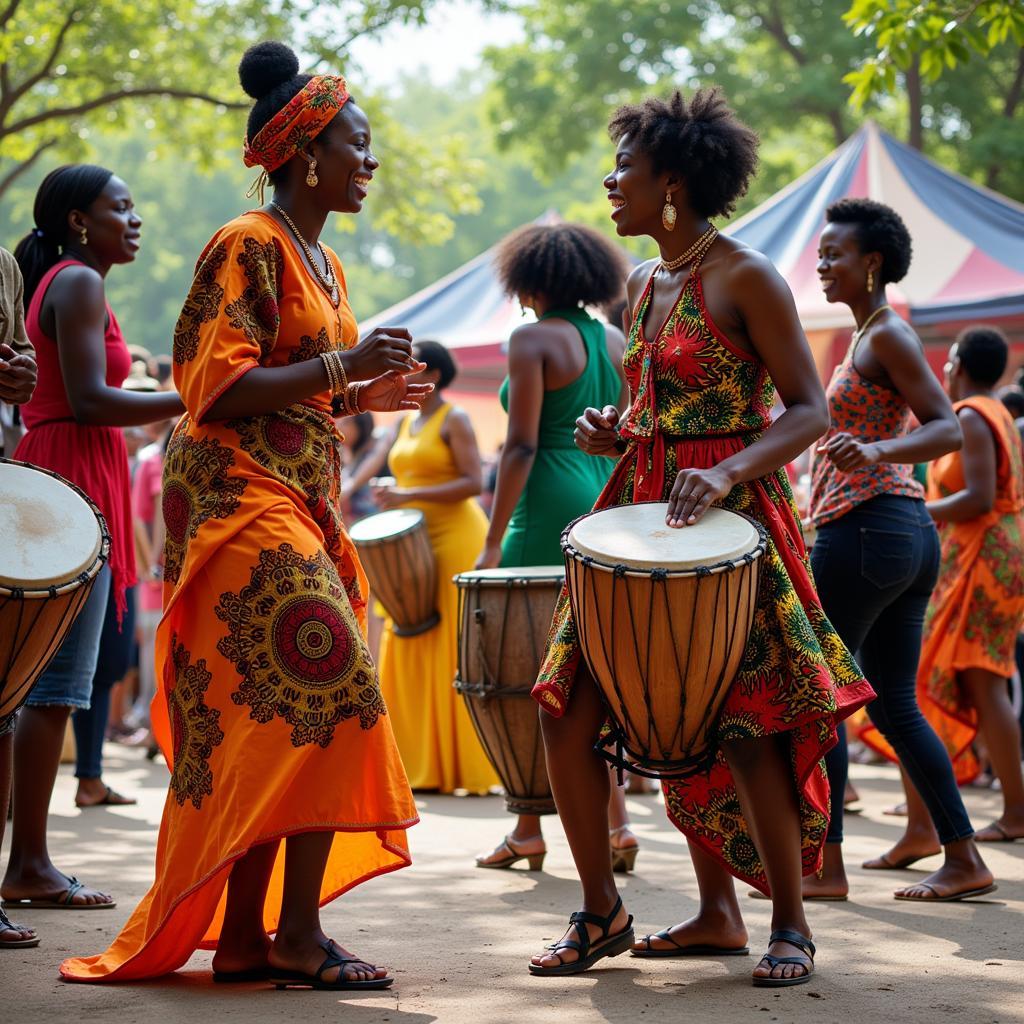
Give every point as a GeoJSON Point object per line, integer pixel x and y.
{"type": "Point", "coordinates": [311, 179]}
{"type": "Point", "coordinates": [871, 281]}
{"type": "Point", "coordinates": [668, 213]}
{"type": "Point", "coordinates": [83, 236]}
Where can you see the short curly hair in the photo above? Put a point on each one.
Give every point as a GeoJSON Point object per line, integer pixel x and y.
{"type": "Point", "coordinates": [701, 140]}
{"type": "Point", "coordinates": [880, 229]}
{"type": "Point", "coordinates": [983, 353]}
{"type": "Point", "coordinates": [566, 264]}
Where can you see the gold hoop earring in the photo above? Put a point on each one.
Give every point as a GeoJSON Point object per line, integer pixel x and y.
{"type": "Point", "coordinates": [668, 213]}
{"type": "Point", "coordinates": [311, 179]}
{"type": "Point", "coordinates": [83, 237]}
{"type": "Point", "coordinates": [871, 281]}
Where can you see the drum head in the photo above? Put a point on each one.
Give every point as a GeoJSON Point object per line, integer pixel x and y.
{"type": "Point", "coordinates": [50, 533]}
{"type": "Point", "coordinates": [518, 575]}
{"type": "Point", "coordinates": [385, 525]}
{"type": "Point", "coordinates": [636, 536]}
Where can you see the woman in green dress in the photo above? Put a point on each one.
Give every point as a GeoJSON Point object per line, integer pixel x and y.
{"type": "Point", "coordinates": [544, 481]}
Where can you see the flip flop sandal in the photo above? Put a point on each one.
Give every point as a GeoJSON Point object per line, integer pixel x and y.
{"type": "Point", "coordinates": [886, 863]}
{"type": "Point", "coordinates": [756, 894]}
{"type": "Point", "coordinates": [954, 897]}
{"type": "Point", "coordinates": [588, 951]}
{"type": "Point", "coordinates": [107, 800]}
{"type": "Point", "coordinates": [299, 979]}
{"type": "Point", "coordinates": [63, 902]}
{"type": "Point", "coordinates": [1003, 837]}
{"type": "Point", "coordinates": [807, 962]}
{"type": "Point", "coordinates": [236, 977]}
{"type": "Point", "coordinates": [5, 925]}
{"type": "Point", "coordinates": [535, 860]}
{"type": "Point", "coordinates": [695, 949]}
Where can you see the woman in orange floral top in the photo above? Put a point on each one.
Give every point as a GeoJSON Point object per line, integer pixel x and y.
{"type": "Point", "coordinates": [286, 786]}
{"type": "Point", "coordinates": [976, 496]}
{"type": "Point", "coordinates": [876, 555]}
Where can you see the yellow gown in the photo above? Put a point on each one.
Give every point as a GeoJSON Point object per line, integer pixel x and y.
{"type": "Point", "coordinates": [434, 732]}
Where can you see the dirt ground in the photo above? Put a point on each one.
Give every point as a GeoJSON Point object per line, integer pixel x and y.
{"type": "Point", "coordinates": [458, 939]}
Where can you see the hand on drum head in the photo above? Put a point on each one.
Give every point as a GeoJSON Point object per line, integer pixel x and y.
{"type": "Point", "coordinates": [694, 492]}
{"type": "Point", "coordinates": [17, 376]}
{"type": "Point", "coordinates": [385, 494]}
{"type": "Point", "coordinates": [490, 557]}
{"type": "Point", "coordinates": [595, 431]}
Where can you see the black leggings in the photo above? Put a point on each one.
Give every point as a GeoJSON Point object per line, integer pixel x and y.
{"type": "Point", "coordinates": [875, 569]}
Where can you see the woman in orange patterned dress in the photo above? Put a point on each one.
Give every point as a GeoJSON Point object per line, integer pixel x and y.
{"type": "Point", "coordinates": [713, 333]}
{"type": "Point", "coordinates": [976, 496]}
{"type": "Point", "coordinates": [269, 710]}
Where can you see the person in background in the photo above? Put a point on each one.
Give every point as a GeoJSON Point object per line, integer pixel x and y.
{"type": "Point", "coordinates": [1013, 398]}
{"type": "Point", "coordinates": [557, 367]}
{"type": "Point", "coordinates": [18, 374]}
{"type": "Point", "coordinates": [85, 225]}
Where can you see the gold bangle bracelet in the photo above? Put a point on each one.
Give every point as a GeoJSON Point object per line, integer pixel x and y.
{"type": "Point", "coordinates": [341, 369]}
{"type": "Point", "coordinates": [329, 368]}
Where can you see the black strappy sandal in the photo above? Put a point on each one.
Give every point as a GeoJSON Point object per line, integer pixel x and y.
{"type": "Point", "coordinates": [288, 979]}
{"type": "Point", "coordinates": [806, 961]}
{"type": "Point", "coordinates": [589, 951]}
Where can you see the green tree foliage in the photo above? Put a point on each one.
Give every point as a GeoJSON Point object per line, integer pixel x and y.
{"type": "Point", "coordinates": [72, 72]}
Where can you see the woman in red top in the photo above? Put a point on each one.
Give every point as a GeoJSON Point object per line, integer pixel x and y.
{"type": "Point", "coordinates": [85, 223]}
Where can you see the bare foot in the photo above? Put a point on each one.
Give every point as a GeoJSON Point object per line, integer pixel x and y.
{"type": "Point", "coordinates": [708, 928]}
{"type": "Point", "coordinates": [307, 954]}
{"type": "Point", "coordinates": [780, 949]}
{"type": "Point", "coordinates": [51, 886]}
{"type": "Point", "coordinates": [832, 883]}
{"type": "Point", "coordinates": [952, 879]}
{"type": "Point", "coordinates": [1005, 830]}
{"type": "Point", "coordinates": [566, 955]}
{"type": "Point", "coordinates": [248, 954]}
{"type": "Point", "coordinates": [909, 849]}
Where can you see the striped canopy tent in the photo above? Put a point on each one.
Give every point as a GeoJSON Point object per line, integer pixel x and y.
{"type": "Point", "coordinates": [968, 260]}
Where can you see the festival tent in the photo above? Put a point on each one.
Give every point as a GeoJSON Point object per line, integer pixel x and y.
{"type": "Point", "coordinates": [968, 257]}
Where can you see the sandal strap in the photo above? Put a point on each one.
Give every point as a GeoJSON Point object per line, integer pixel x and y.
{"type": "Point", "coordinates": [581, 917]}
{"type": "Point", "coordinates": [800, 961]}
{"type": "Point", "coordinates": [794, 939]}
{"type": "Point", "coordinates": [74, 888]}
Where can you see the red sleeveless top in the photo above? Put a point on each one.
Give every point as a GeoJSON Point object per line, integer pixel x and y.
{"type": "Point", "coordinates": [92, 457]}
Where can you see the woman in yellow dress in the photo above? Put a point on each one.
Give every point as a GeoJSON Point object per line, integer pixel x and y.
{"type": "Point", "coordinates": [436, 464]}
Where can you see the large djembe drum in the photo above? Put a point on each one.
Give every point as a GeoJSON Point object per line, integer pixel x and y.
{"type": "Point", "coordinates": [395, 551]}
{"type": "Point", "coordinates": [53, 544]}
{"type": "Point", "coordinates": [504, 617]}
{"type": "Point", "coordinates": [663, 616]}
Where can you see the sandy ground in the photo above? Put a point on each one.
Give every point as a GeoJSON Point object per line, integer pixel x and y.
{"type": "Point", "coordinates": [458, 939]}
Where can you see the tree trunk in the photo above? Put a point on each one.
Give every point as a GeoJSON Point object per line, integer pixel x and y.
{"type": "Point", "coordinates": [1010, 104]}
{"type": "Point", "coordinates": [915, 130]}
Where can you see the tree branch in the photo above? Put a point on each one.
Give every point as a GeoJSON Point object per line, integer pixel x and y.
{"type": "Point", "coordinates": [9, 12]}
{"type": "Point", "coordinates": [1016, 93]}
{"type": "Point", "coordinates": [114, 97]}
{"type": "Point", "coordinates": [777, 28]}
{"type": "Point", "coordinates": [19, 90]}
{"type": "Point", "coordinates": [16, 172]}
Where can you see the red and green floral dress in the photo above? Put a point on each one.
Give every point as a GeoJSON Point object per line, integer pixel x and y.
{"type": "Point", "coordinates": [697, 399]}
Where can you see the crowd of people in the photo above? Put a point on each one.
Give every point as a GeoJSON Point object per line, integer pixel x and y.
{"type": "Point", "coordinates": [235, 605]}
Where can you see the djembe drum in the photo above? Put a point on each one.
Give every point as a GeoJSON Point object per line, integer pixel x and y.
{"type": "Point", "coordinates": [663, 617]}
{"type": "Point", "coordinates": [504, 617]}
{"type": "Point", "coordinates": [395, 551]}
{"type": "Point", "coordinates": [54, 544]}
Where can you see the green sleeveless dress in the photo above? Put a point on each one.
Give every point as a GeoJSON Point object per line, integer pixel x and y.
{"type": "Point", "coordinates": [564, 482]}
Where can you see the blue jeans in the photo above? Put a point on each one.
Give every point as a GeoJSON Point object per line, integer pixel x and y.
{"type": "Point", "coordinates": [875, 569]}
{"type": "Point", "coordinates": [67, 681]}
{"type": "Point", "coordinates": [112, 663]}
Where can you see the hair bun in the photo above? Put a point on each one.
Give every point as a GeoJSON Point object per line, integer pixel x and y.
{"type": "Point", "coordinates": [265, 66]}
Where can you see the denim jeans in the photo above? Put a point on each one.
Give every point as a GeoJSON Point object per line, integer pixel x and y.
{"type": "Point", "coordinates": [875, 569]}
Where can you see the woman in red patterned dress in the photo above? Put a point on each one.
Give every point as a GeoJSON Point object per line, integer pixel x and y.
{"type": "Point", "coordinates": [699, 432]}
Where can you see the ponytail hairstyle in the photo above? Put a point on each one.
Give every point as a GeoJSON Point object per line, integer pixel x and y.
{"type": "Point", "coordinates": [68, 188]}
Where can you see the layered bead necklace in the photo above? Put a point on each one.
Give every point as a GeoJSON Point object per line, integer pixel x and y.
{"type": "Point", "coordinates": [695, 253]}
{"type": "Point", "coordinates": [329, 281]}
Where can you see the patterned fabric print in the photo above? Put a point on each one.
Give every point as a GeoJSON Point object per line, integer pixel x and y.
{"type": "Point", "coordinates": [196, 487]}
{"type": "Point", "coordinates": [194, 727]}
{"type": "Point", "coordinates": [870, 413]}
{"type": "Point", "coordinates": [1004, 555]}
{"type": "Point", "coordinates": [987, 625]}
{"type": "Point", "coordinates": [296, 643]}
{"type": "Point", "coordinates": [796, 677]}
{"type": "Point", "coordinates": [310, 347]}
{"type": "Point", "coordinates": [255, 312]}
{"type": "Point", "coordinates": [202, 305]}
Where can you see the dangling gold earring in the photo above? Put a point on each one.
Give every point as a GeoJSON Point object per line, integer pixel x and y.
{"type": "Point", "coordinates": [668, 213]}
{"type": "Point", "coordinates": [871, 281]}
{"type": "Point", "coordinates": [311, 179]}
{"type": "Point", "coordinates": [83, 236]}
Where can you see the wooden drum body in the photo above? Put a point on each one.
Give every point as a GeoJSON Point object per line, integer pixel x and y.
{"type": "Point", "coordinates": [504, 618]}
{"type": "Point", "coordinates": [663, 616]}
{"type": "Point", "coordinates": [395, 550]}
{"type": "Point", "coordinates": [54, 544]}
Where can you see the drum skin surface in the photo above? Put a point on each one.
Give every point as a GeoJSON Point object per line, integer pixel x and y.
{"type": "Point", "coordinates": [504, 617]}
{"type": "Point", "coordinates": [54, 544]}
{"type": "Point", "coordinates": [663, 618]}
{"type": "Point", "coordinates": [395, 550]}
